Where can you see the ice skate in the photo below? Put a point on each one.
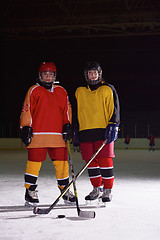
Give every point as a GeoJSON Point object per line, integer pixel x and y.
{"type": "Point", "coordinates": [31, 196]}
{"type": "Point", "coordinates": [69, 197]}
{"type": "Point", "coordinates": [95, 194]}
{"type": "Point", "coordinates": [106, 196]}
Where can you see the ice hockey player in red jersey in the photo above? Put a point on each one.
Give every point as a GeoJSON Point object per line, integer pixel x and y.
{"type": "Point", "coordinates": [151, 143]}
{"type": "Point", "coordinates": [127, 141]}
{"type": "Point", "coordinates": [98, 118]}
{"type": "Point", "coordinates": [45, 124]}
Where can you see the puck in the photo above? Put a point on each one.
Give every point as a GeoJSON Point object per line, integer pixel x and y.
{"type": "Point", "coordinates": [61, 216]}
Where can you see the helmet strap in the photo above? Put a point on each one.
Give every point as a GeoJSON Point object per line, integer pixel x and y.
{"type": "Point", "coordinates": [47, 85]}
{"type": "Point", "coordinates": [96, 86]}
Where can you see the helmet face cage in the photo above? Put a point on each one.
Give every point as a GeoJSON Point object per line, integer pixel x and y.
{"type": "Point", "coordinates": [93, 66]}
{"type": "Point", "coordinates": [47, 66]}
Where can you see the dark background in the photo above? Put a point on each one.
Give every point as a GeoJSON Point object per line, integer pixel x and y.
{"type": "Point", "coordinates": [129, 59]}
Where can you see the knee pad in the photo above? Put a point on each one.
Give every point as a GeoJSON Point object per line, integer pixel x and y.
{"type": "Point", "coordinates": [105, 162]}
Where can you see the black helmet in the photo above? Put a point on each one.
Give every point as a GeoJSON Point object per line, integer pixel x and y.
{"type": "Point", "coordinates": [93, 66]}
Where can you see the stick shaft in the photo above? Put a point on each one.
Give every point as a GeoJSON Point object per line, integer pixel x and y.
{"type": "Point", "coordinates": [73, 177]}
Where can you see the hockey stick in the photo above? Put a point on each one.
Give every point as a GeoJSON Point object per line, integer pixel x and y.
{"type": "Point", "coordinates": [37, 210]}
{"type": "Point", "coordinates": [83, 214]}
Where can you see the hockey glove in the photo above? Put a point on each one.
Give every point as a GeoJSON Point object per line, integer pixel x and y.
{"type": "Point", "coordinates": [67, 132]}
{"type": "Point", "coordinates": [26, 135]}
{"type": "Point", "coordinates": [111, 132]}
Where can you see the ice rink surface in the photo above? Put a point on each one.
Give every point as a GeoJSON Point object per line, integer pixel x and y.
{"type": "Point", "coordinates": [133, 214]}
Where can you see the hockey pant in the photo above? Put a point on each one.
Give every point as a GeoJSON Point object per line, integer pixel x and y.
{"type": "Point", "coordinates": [100, 170]}
{"type": "Point", "coordinates": [37, 156]}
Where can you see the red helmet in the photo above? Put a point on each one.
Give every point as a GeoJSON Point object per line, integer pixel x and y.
{"type": "Point", "coordinates": [47, 66]}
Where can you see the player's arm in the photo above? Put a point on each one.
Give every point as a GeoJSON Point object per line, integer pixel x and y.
{"type": "Point", "coordinates": [67, 128]}
{"type": "Point", "coordinates": [116, 113]}
{"type": "Point", "coordinates": [26, 133]}
{"type": "Point", "coordinates": [111, 132]}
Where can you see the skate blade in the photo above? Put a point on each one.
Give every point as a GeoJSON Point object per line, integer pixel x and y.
{"type": "Point", "coordinates": [69, 203]}
{"type": "Point", "coordinates": [100, 203]}
{"type": "Point", "coordinates": [97, 202]}
{"type": "Point", "coordinates": [29, 204]}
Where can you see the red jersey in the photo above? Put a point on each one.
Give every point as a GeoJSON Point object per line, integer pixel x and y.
{"type": "Point", "coordinates": [46, 112]}
{"type": "Point", "coordinates": [151, 138]}
{"type": "Point", "coordinates": [127, 139]}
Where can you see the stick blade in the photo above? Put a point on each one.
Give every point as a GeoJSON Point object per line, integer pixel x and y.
{"type": "Point", "coordinates": [37, 210]}
{"type": "Point", "coordinates": [87, 214]}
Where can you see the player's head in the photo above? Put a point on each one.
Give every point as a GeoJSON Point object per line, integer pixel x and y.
{"type": "Point", "coordinates": [93, 73]}
{"type": "Point", "coordinates": [47, 74]}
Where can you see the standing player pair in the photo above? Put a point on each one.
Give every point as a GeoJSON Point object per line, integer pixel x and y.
{"type": "Point", "coordinates": [46, 126]}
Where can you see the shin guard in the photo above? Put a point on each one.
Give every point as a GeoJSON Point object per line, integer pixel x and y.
{"type": "Point", "coordinates": [62, 173]}
{"type": "Point", "coordinates": [31, 173]}
{"type": "Point", "coordinates": [106, 168]}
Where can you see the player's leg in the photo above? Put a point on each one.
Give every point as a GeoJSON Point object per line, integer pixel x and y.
{"type": "Point", "coordinates": [106, 168]}
{"type": "Point", "coordinates": [87, 152]}
{"type": "Point", "coordinates": [59, 157]}
{"type": "Point", "coordinates": [35, 158]}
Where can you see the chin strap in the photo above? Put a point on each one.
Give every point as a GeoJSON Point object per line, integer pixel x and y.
{"type": "Point", "coordinates": [46, 85]}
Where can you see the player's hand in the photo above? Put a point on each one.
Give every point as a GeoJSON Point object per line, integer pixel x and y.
{"type": "Point", "coordinates": [26, 135]}
{"type": "Point", "coordinates": [67, 132]}
{"type": "Point", "coordinates": [111, 133]}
